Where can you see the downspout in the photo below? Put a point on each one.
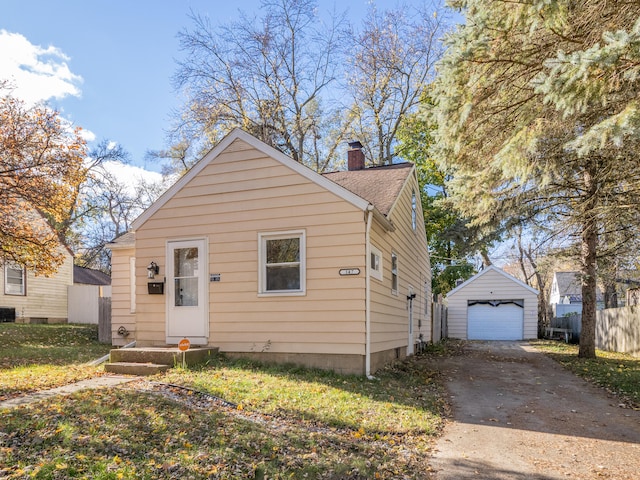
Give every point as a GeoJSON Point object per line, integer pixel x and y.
{"type": "Point", "coordinates": [367, 293]}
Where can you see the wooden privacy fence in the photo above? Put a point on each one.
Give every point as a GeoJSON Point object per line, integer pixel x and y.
{"type": "Point", "coordinates": [569, 321]}
{"type": "Point", "coordinates": [438, 322]}
{"type": "Point", "coordinates": [618, 330]}
{"type": "Point", "coordinates": [104, 320]}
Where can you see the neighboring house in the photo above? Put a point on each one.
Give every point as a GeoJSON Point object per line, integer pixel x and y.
{"type": "Point", "coordinates": [566, 294]}
{"type": "Point", "coordinates": [89, 286]}
{"type": "Point", "coordinates": [493, 305]}
{"type": "Point", "coordinates": [260, 256]}
{"type": "Point", "coordinates": [27, 298]}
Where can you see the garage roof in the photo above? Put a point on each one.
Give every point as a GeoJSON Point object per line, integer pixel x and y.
{"type": "Point", "coordinates": [489, 269]}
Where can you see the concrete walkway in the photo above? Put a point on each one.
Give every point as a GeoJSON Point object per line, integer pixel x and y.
{"type": "Point", "coordinates": [104, 381]}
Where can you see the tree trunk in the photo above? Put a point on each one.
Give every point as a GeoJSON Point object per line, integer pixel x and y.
{"type": "Point", "coordinates": [610, 295]}
{"type": "Point", "coordinates": [589, 244]}
{"type": "Point", "coordinates": [543, 306]}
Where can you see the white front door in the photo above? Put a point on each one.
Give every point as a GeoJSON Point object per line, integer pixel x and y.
{"type": "Point", "coordinates": [187, 299]}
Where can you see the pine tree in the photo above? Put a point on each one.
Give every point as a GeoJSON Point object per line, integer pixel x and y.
{"type": "Point", "coordinates": [538, 122]}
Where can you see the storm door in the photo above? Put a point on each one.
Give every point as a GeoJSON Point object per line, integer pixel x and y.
{"type": "Point", "coordinates": [187, 299]}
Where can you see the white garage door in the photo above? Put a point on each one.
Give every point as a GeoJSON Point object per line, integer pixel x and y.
{"type": "Point", "coordinates": [495, 320]}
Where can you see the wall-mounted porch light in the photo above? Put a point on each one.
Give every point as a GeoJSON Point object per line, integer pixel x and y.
{"type": "Point", "coordinates": [152, 270]}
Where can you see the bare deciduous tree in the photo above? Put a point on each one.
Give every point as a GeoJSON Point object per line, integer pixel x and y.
{"type": "Point", "coordinates": [265, 75]}
{"type": "Point", "coordinates": [392, 63]}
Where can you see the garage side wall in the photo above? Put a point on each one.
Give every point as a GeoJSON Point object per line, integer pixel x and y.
{"type": "Point", "coordinates": [491, 285]}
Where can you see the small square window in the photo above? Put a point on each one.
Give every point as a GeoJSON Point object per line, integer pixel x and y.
{"type": "Point", "coordinates": [282, 262]}
{"type": "Point", "coordinates": [375, 263]}
{"type": "Point", "coordinates": [14, 280]}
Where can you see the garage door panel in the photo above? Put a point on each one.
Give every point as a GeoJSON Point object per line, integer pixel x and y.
{"type": "Point", "coordinates": [496, 321]}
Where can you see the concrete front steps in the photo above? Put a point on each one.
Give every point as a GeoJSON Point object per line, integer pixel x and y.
{"type": "Point", "coordinates": [152, 360]}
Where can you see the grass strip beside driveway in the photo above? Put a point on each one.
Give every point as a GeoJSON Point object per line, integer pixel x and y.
{"type": "Point", "coordinates": [618, 373]}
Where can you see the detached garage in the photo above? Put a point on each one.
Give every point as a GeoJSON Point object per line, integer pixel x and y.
{"type": "Point", "coordinates": [493, 305]}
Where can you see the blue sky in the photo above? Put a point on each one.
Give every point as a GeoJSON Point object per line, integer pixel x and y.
{"type": "Point", "coordinates": [107, 65]}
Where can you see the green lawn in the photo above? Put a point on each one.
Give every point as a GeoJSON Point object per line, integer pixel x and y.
{"type": "Point", "coordinates": [279, 422]}
{"type": "Point", "coordinates": [275, 421]}
{"type": "Point", "coordinates": [34, 357]}
{"type": "Point", "coordinates": [619, 373]}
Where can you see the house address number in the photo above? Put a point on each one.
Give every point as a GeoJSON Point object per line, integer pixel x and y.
{"type": "Point", "coordinates": [349, 271]}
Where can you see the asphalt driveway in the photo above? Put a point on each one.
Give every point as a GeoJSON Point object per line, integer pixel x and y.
{"type": "Point", "coordinates": [519, 415]}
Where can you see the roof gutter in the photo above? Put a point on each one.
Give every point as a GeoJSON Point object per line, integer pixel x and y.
{"type": "Point", "coordinates": [384, 221]}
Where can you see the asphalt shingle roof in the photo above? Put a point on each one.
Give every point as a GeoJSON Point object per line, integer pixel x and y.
{"type": "Point", "coordinates": [88, 276]}
{"type": "Point", "coordinates": [380, 186]}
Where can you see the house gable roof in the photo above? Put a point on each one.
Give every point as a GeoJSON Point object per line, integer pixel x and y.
{"type": "Point", "coordinates": [492, 268]}
{"type": "Point", "coordinates": [238, 134]}
{"type": "Point", "coordinates": [353, 197]}
{"type": "Point", "coordinates": [126, 240]}
{"type": "Point", "coordinates": [380, 186]}
{"type": "Point", "coordinates": [568, 283]}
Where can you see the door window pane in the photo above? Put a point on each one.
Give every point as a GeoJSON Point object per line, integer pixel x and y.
{"type": "Point", "coordinates": [185, 263]}
{"type": "Point", "coordinates": [186, 292]}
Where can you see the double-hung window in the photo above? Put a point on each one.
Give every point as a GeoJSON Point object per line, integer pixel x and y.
{"type": "Point", "coordinates": [14, 280]}
{"type": "Point", "coordinates": [394, 273]}
{"type": "Point", "coordinates": [282, 263]}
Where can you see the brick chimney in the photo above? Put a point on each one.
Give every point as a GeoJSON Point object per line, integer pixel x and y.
{"type": "Point", "coordinates": [355, 156]}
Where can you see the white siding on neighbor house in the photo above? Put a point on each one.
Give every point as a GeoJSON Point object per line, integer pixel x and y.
{"type": "Point", "coordinates": [46, 297]}
{"type": "Point", "coordinates": [491, 285]}
{"type": "Point", "coordinates": [389, 310]}
{"type": "Point", "coordinates": [237, 196]}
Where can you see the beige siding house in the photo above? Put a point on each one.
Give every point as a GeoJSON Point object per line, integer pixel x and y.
{"type": "Point", "coordinates": [260, 256]}
{"type": "Point", "coordinates": [493, 305]}
{"type": "Point", "coordinates": [27, 298]}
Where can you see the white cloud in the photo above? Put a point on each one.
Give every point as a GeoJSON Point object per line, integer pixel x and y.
{"type": "Point", "coordinates": [37, 73]}
{"type": "Point", "coordinates": [130, 175]}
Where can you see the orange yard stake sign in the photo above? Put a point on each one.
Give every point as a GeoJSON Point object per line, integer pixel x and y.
{"type": "Point", "coordinates": [183, 346]}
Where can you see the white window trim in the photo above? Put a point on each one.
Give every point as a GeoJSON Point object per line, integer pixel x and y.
{"type": "Point", "coordinates": [262, 269]}
{"type": "Point", "coordinates": [13, 266]}
{"type": "Point", "coordinates": [376, 273]}
{"type": "Point", "coordinates": [394, 272]}
{"type": "Point", "coordinates": [414, 210]}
